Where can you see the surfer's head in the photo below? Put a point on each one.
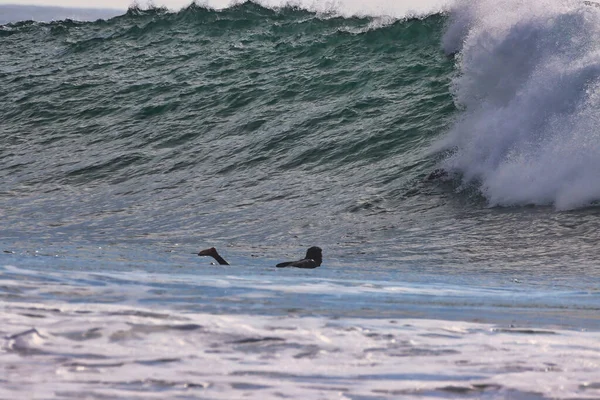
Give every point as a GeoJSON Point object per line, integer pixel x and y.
{"type": "Point", "coordinates": [315, 253]}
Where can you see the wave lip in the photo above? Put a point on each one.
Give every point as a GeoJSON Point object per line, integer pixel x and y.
{"type": "Point", "coordinates": [10, 13]}
{"type": "Point", "coordinates": [529, 86]}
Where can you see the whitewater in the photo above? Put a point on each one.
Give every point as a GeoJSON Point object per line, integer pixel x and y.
{"type": "Point", "coordinates": [131, 140]}
{"type": "Point", "coordinates": [529, 84]}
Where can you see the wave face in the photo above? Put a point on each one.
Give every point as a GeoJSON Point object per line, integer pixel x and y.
{"type": "Point", "coordinates": [529, 86]}
{"type": "Point", "coordinates": [154, 116]}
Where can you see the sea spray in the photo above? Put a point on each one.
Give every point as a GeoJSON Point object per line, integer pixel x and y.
{"type": "Point", "coordinates": [528, 84]}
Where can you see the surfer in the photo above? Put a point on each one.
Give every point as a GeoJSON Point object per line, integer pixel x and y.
{"type": "Point", "coordinates": [313, 258]}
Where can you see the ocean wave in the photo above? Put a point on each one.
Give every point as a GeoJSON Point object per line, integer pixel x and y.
{"type": "Point", "coordinates": [227, 108]}
{"type": "Point", "coordinates": [338, 57]}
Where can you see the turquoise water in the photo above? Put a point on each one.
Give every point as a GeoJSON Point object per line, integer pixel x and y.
{"type": "Point", "coordinates": [131, 143]}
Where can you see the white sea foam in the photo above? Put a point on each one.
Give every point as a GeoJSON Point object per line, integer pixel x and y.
{"type": "Point", "coordinates": [348, 8]}
{"type": "Point", "coordinates": [132, 334]}
{"type": "Point", "coordinates": [116, 351]}
{"type": "Point", "coordinates": [529, 83]}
